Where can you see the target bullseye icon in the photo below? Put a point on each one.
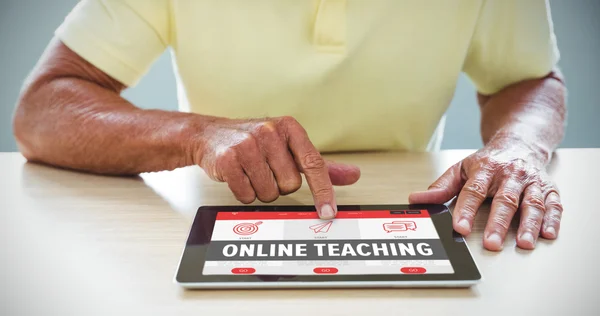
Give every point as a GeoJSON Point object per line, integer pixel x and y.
{"type": "Point", "coordinates": [246, 229]}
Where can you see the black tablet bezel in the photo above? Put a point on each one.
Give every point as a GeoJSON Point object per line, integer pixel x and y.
{"type": "Point", "coordinates": [192, 263]}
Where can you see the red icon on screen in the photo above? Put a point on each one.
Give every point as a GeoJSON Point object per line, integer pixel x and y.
{"type": "Point", "coordinates": [321, 227]}
{"type": "Point", "coordinates": [325, 270]}
{"type": "Point", "coordinates": [413, 270]}
{"type": "Point", "coordinates": [246, 229]}
{"type": "Point", "coordinates": [243, 270]}
{"type": "Point", "coordinates": [399, 226]}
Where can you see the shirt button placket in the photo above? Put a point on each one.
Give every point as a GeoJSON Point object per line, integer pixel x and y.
{"type": "Point", "coordinates": [330, 26]}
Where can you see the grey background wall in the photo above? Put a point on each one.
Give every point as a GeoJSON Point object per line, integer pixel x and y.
{"type": "Point", "coordinates": [27, 25]}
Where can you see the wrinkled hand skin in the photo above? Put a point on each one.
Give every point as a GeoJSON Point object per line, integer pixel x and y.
{"type": "Point", "coordinates": [521, 126]}
{"type": "Point", "coordinates": [70, 114]}
{"type": "Point", "coordinates": [516, 180]}
{"type": "Point", "coordinates": [264, 158]}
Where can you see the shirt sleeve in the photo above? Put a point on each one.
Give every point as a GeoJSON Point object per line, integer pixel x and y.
{"type": "Point", "coordinates": [513, 41]}
{"type": "Point", "coordinates": [123, 38]}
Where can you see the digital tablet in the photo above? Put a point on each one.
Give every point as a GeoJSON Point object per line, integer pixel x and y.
{"type": "Point", "coordinates": [290, 247]}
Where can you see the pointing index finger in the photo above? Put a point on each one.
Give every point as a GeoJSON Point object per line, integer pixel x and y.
{"type": "Point", "coordinates": [313, 166]}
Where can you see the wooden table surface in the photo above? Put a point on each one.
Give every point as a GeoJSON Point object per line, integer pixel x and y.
{"type": "Point", "coordinates": [80, 244]}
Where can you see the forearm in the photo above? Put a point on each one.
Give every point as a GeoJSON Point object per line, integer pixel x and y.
{"type": "Point", "coordinates": [77, 124]}
{"type": "Point", "coordinates": [532, 113]}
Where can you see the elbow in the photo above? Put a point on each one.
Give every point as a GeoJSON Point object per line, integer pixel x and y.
{"type": "Point", "coordinates": [27, 127]}
{"type": "Point", "coordinates": [23, 131]}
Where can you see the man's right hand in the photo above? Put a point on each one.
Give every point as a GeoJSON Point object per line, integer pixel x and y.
{"type": "Point", "coordinates": [70, 114]}
{"type": "Point", "coordinates": [264, 158]}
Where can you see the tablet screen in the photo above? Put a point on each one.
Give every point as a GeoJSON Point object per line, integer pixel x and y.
{"type": "Point", "coordinates": [299, 243]}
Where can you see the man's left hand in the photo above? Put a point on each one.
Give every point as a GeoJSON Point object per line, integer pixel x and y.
{"type": "Point", "coordinates": [514, 175]}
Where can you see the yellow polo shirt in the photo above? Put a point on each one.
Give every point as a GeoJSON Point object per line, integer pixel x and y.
{"type": "Point", "coordinates": [357, 74]}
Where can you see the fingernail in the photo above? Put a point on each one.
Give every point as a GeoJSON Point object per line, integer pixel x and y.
{"type": "Point", "coordinates": [327, 211]}
{"type": "Point", "coordinates": [464, 224]}
{"type": "Point", "coordinates": [528, 237]}
{"type": "Point", "coordinates": [551, 232]}
{"type": "Point", "coordinates": [495, 240]}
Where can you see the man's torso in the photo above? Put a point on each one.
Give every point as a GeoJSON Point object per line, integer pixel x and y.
{"type": "Point", "coordinates": [359, 75]}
